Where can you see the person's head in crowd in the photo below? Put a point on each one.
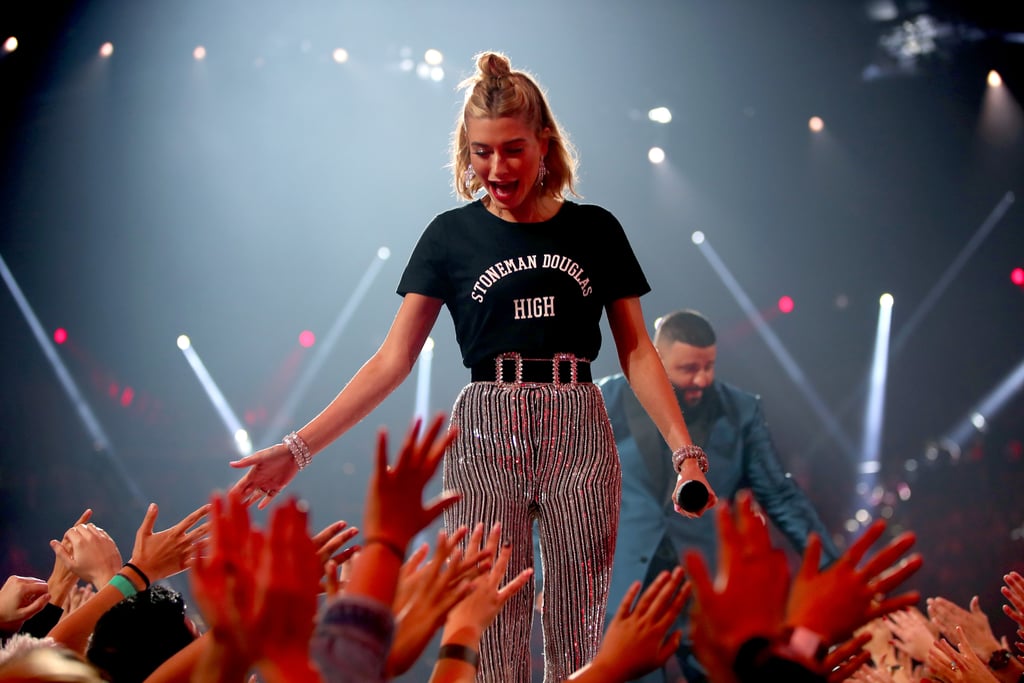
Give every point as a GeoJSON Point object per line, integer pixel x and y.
{"type": "Point", "coordinates": [139, 633]}
{"type": "Point", "coordinates": [40, 659]}
{"type": "Point", "coordinates": [685, 341]}
{"type": "Point", "coordinates": [506, 139]}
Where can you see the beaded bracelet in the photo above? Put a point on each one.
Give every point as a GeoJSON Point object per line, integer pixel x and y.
{"type": "Point", "coordinates": [123, 584]}
{"type": "Point", "coordinates": [687, 452]}
{"type": "Point", "coordinates": [461, 652]}
{"type": "Point", "coordinates": [299, 450]}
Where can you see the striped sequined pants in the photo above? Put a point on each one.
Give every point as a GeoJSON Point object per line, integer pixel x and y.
{"type": "Point", "coordinates": [541, 452]}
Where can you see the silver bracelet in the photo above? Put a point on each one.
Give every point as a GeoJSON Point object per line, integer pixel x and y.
{"type": "Point", "coordinates": [687, 452]}
{"type": "Point", "coordinates": [299, 450]}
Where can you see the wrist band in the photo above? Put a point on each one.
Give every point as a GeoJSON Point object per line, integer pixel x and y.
{"type": "Point", "coordinates": [462, 652]}
{"type": "Point", "coordinates": [142, 575]}
{"type": "Point", "coordinates": [687, 452]}
{"type": "Point", "coordinates": [398, 551]}
{"type": "Point", "coordinates": [299, 450]}
{"type": "Point", "coordinates": [123, 584]}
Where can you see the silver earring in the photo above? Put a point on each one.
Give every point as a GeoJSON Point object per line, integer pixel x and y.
{"type": "Point", "coordinates": [467, 177]}
{"type": "Point", "coordinates": [542, 171]}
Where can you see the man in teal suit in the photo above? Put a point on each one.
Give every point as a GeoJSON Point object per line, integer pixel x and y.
{"type": "Point", "coordinates": [729, 425]}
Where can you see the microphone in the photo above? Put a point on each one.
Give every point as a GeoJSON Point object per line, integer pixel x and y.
{"type": "Point", "coordinates": [692, 496]}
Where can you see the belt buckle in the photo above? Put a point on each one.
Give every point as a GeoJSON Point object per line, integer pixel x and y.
{"type": "Point", "coordinates": [558, 358]}
{"type": "Point", "coordinates": [499, 370]}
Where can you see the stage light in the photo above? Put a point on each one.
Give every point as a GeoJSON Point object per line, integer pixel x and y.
{"type": "Point", "coordinates": [243, 442]}
{"type": "Point", "coordinates": [697, 237]}
{"type": "Point", "coordinates": [786, 304]}
{"type": "Point", "coordinates": [436, 74]}
{"type": "Point", "coordinates": [199, 54]}
{"type": "Point", "coordinates": [11, 44]}
{"type": "Point", "coordinates": [994, 79]}
{"type": "Point", "coordinates": [979, 422]}
{"type": "Point", "coordinates": [383, 253]}
{"type": "Point", "coordinates": [340, 55]}
{"type": "Point", "coordinates": [886, 300]}
{"type": "Point", "coordinates": [816, 124]}
{"type": "Point", "coordinates": [126, 396]}
{"type": "Point", "coordinates": [106, 49]}
{"type": "Point", "coordinates": [60, 335]}
{"type": "Point", "coordinates": [863, 517]}
{"type": "Point", "coordinates": [656, 155]}
{"type": "Point", "coordinates": [433, 57]}
{"type": "Point", "coordinates": [1017, 276]}
{"type": "Point", "coordinates": [428, 345]}
{"type": "Point", "coordinates": [184, 342]}
{"type": "Point", "coordinates": [423, 70]}
{"type": "Point", "coordinates": [660, 115]}
{"type": "Point", "coordinates": [306, 339]}
{"type": "Point", "coordinates": [407, 65]}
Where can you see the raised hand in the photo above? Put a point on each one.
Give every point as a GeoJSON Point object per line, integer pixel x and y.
{"type": "Point", "coordinates": [258, 590]}
{"type": "Point", "coordinates": [333, 537]}
{"type": "Point", "coordinates": [747, 597]}
{"type": "Point", "coordinates": [272, 469]}
{"type": "Point", "coordinates": [78, 596]}
{"type": "Point", "coordinates": [947, 615]}
{"type": "Point", "coordinates": [394, 511]}
{"type": "Point", "coordinates": [423, 597]}
{"type": "Point", "coordinates": [93, 555]}
{"type": "Point", "coordinates": [847, 660]}
{"type": "Point", "coordinates": [21, 598]}
{"type": "Point", "coordinates": [853, 594]}
{"type": "Point", "coordinates": [914, 633]}
{"type": "Point", "coordinates": [62, 579]}
{"type": "Point", "coordinates": [165, 553]}
{"type": "Point", "coordinates": [959, 664]}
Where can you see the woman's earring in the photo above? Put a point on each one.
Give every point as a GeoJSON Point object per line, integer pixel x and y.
{"type": "Point", "coordinates": [468, 176]}
{"type": "Point", "coordinates": [542, 171]}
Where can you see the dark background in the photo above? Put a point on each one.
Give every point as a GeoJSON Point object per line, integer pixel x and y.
{"type": "Point", "coordinates": [241, 199]}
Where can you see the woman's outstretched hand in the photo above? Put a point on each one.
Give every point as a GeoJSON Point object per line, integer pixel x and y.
{"type": "Point", "coordinates": [271, 469]}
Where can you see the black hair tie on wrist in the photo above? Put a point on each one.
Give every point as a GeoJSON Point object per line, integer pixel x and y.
{"type": "Point", "coordinates": [461, 652]}
{"type": "Point", "coordinates": [142, 575]}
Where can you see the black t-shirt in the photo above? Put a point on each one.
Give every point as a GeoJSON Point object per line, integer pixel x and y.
{"type": "Point", "coordinates": [535, 288]}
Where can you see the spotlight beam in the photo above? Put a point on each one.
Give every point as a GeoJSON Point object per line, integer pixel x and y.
{"type": "Point", "coordinates": [92, 425]}
{"type": "Point", "coordinates": [954, 268]}
{"type": "Point", "coordinates": [870, 459]}
{"type": "Point", "coordinates": [988, 407]}
{"type": "Point", "coordinates": [220, 403]}
{"type": "Point", "coordinates": [927, 303]}
{"type": "Point", "coordinates": [787, 362]}
{"type": "Point", "coordinates": [277, 424]}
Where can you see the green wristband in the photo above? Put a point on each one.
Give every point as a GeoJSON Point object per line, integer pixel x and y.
{"type": "Point", "coordinates": [123, 584]}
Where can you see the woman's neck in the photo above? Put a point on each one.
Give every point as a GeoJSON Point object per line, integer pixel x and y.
{"type": "Point", "coordinates": [536, 209]}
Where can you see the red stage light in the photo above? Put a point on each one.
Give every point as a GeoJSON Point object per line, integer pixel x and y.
{"type": "Point", "coordinates": [126, 396]}
{"type": "Point", "coordinates": [60, 335]}
{"type": "Point", "coordinates": [786, 304]}
{"type": "Point", "coordinates": [307, 339]}
{"type": "Point", "coordinates": [1017, 276]}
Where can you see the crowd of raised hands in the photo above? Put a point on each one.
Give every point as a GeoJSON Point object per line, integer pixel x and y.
{"type": "Point", "coordinates": [946, 642]}
{"type": "Point", "coordinates": [283, 604]}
